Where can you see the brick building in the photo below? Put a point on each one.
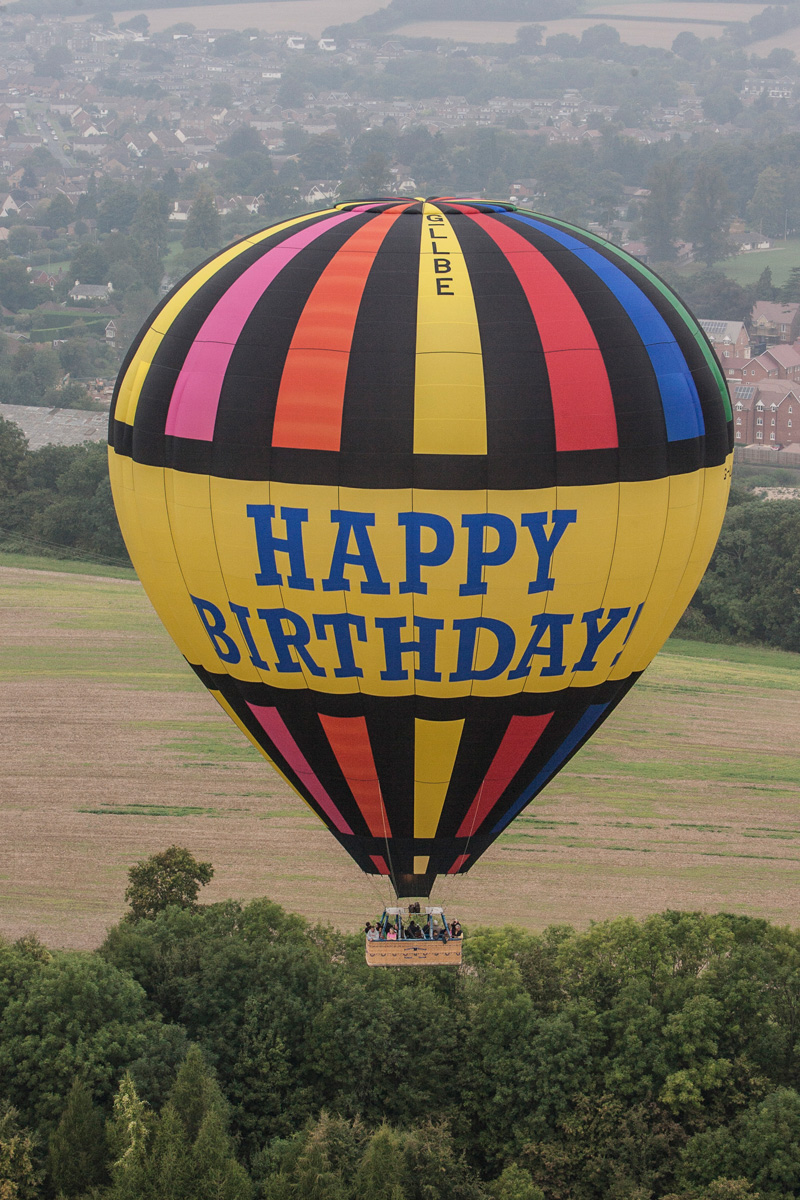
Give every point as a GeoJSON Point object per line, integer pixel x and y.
{"type": "Point", "coordinates": [773, 321]}
{"type": "Point", "coordinates": [730, 339]}
{"type": "Point", "coordinates": [766, 414]}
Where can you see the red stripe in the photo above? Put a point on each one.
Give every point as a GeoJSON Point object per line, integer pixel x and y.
{"type": "Point", "coordinates": [380, 863]}
{"type": "Point", "coordinates": [308, 414]}
{"type": "Point", "coordinates": [583, 406]}
{"type": "Point", "coordinates": [349, 741]}
{"type": "Point", "coordinates": [521, 736]}
{"type": "Point", "coordinates": [458, 864]}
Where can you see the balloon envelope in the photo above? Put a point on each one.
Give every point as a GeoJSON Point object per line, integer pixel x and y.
{"type": "Point", "coordinates": [419, 488]}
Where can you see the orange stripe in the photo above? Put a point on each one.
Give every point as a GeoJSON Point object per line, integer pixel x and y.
{"type": "Point", "coordinates": [308, 414]}
{"type": "Point", "coordinates": [349, 741]}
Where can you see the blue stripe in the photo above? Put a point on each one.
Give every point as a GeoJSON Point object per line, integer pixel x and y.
{"type": "Point", "coordinates": [679, 398]}
{"type": "Point", "coordinates": [592, 715]}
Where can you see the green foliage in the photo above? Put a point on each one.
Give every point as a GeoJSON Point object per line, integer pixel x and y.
{"type": "Point", "coordinates": [749, 592]}
{"type": "Point", "coordinates": [19, 1175]}
{"type": "Point", "coordinates": [173, 877]}
{"type": "Point", "coordinates": [652, 1059]}
{"type": "Point", "coordinates": [203, 227]}
{"type": "Point", "coordinates": [515, 1183]}
{"type": "Point", "coordinates": [57, 498]}
{"type": "Point", "coordinates": [708, 210]}
{"type": "Point", "coordinates": [76, 1157]}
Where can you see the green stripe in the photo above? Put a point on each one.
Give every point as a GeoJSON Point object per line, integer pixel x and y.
{"type": "Point", "coordinates": [666, 292]}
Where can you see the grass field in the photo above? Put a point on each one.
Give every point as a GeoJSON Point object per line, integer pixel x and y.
{"type": "Point", "coordinates": [687, 797]}
{"type": "Point", "coordinates": [746, 268]}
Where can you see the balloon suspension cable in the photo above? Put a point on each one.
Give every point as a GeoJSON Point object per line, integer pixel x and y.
{"type": "Point", "coordinates": [372, 883]}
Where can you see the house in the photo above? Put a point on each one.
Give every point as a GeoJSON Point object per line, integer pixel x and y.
{"type": "Point", "coordinates": [772, 320]}
{"type": "Point", "coordinates": [766, 414]}
{"type": "Point", "coordinates": [99, 293]}
{"type": "Point", "coordinates": [8, 204]}
{"type": "Point", "coordinates": [730, 339]}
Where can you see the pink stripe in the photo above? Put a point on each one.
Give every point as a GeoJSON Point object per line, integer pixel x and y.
{"type": "Point", "coordinates": [195, 397]}
{"type": "Point", "coordinates": [380, 863]}
{"type": "Point", "coordinates": [287, 747]}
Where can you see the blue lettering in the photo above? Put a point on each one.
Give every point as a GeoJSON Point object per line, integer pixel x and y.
{"type": "Point", "coordinates": [477, 557]}
{"type": "Point", "coordinates": [242, 615]}
{"type": "Point", "coordinates": [394, 648]}
{"type": "Point", "coordinates": [354, 523]}
{"type": "Point", "coordinates": [535, 523]}
{"type": "Point", "coordinates": [416, 557]}
{"type": "Point", "coordinates": [267, 545]}
{"type": "Point", "coordinates": [595, 636]}
{"type": "Point", "coordinates": [341, 624]}
{"type": "Point", "coordinates": [284, 642]}
{"type": "Point", "coordinates": [214, 625]}
{"type": "Point", "coordinates": [468, 633]}
{"type": "Point", "coordinates": [544, 623]}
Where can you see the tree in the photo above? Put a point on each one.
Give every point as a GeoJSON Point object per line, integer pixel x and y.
{"type": "Point", "coordinates": [688, 45]}
{"type": "Point", "coordinates": [13, 452]}
{"type": "Point", "coordinates": [15, 287]}
{"type": "Point", "coordinates": [708, 209]}
{"type": "Point", "coordinates": [722, 105]}
{"type": "Point", "coordinates": [661, 210]}
{"type": "Point", "coordinates": [790, 291]}
{"type": "Point", "coordinates": [76, 1160]}
{"type": "Point", "coordinates": [129, 1134]}
{"type": "Point", "coordinates": [172, 877]}
{"type": "Point", "coordinates": [203, 226]}
{"type": "Point", "coordinates": [529, 38]}
{"type": "Point", "coordinates": [765, 289]}
{"type": "Point", "coordinates": [90, 265]}
{"type": "Point", "coordinates": [195, 1093]}
{"type": "Point", "coordinates": [382, 1172]}
{"type": "Point", "coordinates": [19, 1177]}
{"type": "Point", "coordinates": [221, 95]}
{"type": "Point", "coordinates": [515, 1183]}
{"type": "Point", "coordinates": [22, 239]}
{"type": "Point", "coordinates": [60, 212]}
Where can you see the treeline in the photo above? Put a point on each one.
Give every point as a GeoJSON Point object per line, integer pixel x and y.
{"type": "Point", "coordinates": [57, 500]}
{"type": "Point", "coordinates": [750, 591]}
{"type": "Point", "coordinates": [238, 1052]}
{"type": "Point", "coordinates": [402, 12]}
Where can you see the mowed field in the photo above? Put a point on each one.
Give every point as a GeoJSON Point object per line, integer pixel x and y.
{"type": "Point", "coordinates": [687, 797]}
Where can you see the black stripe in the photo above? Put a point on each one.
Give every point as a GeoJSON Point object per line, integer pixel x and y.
{"type": "Point", "coordinates": [243, 432]}
{"type": "Point", "coordinates": [390, 723]}
{"type": "Point", "coordinates": [641, 425]}
{"type": "Point", "coordinates": [520, 428]}
{"type": "Point", "coordinates": [154, 401]}
{"type": "Point", "coordinates": [718, 430]}
{"type": "Point", "coordinates": [378, 417]}
{"type": "Point", "coordinates": [575, 468]}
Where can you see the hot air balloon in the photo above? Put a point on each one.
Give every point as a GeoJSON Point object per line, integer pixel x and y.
{"type": "Point", "coordinates": [419, 488]}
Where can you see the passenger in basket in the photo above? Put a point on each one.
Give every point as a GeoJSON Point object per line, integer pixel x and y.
{"type": "Point", "coordinates": [373, 933]}
{"type": "Point", "coordinates": [391, 933]}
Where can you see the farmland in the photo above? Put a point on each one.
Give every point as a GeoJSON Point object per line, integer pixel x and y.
{"type": "Point", "coordinates": [639, 32]}
{"type": "Point", "coordinates": [273, 16]}
{"type": "Point", "coordinates": [113, 750]}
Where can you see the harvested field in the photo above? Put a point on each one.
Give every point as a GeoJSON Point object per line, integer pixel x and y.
{"type": "Point", "coordinates": [687, 797]}
{"type": "Point", "coordinates": [691, 10]}
{"type": "Point", "coordinates": [276, 16]}
{"type": "Point", "coordinates": [636, 33]}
